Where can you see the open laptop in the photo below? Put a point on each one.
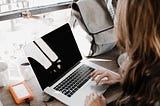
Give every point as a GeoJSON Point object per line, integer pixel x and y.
{"type": "Point", "coordinates": [61, 70]}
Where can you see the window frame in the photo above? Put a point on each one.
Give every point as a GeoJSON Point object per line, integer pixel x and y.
{"type": "Point", "coordinates": [34, 10]}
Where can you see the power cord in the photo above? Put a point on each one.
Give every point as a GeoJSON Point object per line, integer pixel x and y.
{"type": "Point", "coordinates": [27, 100]}
{"type": "Point", "coordinates": [49, 100]}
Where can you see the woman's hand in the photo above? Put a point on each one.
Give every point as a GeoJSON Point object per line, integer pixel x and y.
{"type": "Point", "coordinates": [95, 100]}
{"type": "Point", "coordinates": [112, 78]}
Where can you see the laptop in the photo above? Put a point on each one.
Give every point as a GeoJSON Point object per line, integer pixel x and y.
{"type": "Point", "coordinates": [60, 68]}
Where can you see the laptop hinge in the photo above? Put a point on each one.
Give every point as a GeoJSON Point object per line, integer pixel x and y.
{"type": "Point", "coordinates": [64, 73]}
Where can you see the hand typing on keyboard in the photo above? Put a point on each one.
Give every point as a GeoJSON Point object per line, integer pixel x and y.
{"type": "Point", "coordinates": [102, 81]}
{"type": "Point", "coordinates": [105, 77]}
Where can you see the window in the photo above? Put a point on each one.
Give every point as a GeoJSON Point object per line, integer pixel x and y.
{"type": "Point", "coordinates": [16, 30]}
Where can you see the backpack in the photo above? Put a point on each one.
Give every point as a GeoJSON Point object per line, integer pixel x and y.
{"type": "Point", "coordinates": [93, 20]}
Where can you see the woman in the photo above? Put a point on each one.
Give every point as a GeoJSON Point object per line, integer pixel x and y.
{"type": "Point", "coordinates": [138, 32]}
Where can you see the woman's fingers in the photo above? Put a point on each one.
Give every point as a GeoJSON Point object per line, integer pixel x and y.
{"type": "Point", "coordinates": [93, 96]}
{"type": "Point", "coordinates": [105, 74]}
{"type": "Point", "coordinates": [94, 74]}
{"type": "Point", "coordinates": [95, 100]}
{"type": "Point", "coordinates": [90, 99]}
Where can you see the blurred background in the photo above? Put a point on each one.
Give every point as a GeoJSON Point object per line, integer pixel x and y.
{"type": "Point", "coordinates": [22, 21]}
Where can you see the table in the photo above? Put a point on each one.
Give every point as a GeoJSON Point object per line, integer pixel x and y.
{"type": "Point", "coordinates": [109, 61]}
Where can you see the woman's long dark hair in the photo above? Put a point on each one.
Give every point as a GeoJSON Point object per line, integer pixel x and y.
{"type": "Point", "coordinates": [138, 31]}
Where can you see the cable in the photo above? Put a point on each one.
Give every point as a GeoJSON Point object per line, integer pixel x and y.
{"type": "Point", "coordinates": [27, 101]}
{"type": "Point", "coordinates": [49, 100]}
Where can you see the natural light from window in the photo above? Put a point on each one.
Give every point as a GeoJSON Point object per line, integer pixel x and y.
{"type": "Point", "coordinates": [15, 33]}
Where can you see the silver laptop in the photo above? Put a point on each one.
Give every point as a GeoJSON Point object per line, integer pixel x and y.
{"type": "Point", "coordinates": [60, 68]}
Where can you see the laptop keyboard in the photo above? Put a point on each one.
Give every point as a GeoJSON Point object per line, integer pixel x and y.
{"type": "Point", "coordinates": [74, 81]}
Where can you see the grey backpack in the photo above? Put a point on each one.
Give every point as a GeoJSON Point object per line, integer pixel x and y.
{"type": "Point", "coordinates": [93, 17]}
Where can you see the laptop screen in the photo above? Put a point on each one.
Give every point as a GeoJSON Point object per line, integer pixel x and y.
{"type": "Point", "coordinates": [52, 55]}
